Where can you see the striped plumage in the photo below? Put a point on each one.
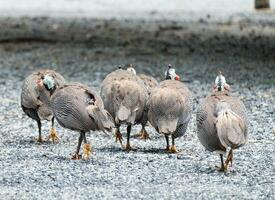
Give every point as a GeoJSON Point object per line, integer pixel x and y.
{"type": "Point", "coordinates": [169, 110]}
{"type": "Point", "coordinates": [35, 99]}
{"type": "Point", "coordinates": [124, 96]}
{"type": "Point", "coordinates": [222, 124]}
{"type": "Point", "coordinates": [78, 107]}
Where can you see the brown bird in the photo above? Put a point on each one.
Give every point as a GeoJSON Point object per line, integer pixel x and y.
{"type": "Point", "coordinates": [35, 98]}
{"type": "Point", "coordinates": [150, 83]}
{"type": "Point", "coordinates": [170, 107]}
{"type": "Point", "coordinates": [222, 122]}
{"type": "Point", "coordinates": [124, 96]}
{"type": "Point", "coordinates": [80, 108]}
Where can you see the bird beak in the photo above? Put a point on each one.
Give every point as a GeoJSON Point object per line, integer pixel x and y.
{"type": "Point", "coordinates": [39, 82]}
{"type": "Point", "coordinates": [177, 77]}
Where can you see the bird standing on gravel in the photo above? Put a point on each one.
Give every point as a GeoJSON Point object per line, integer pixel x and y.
{"type": "Point", "coordinates": [221, 122]}
{"type": "Point", "coordinates": [124, 96]}
{"type": "Point", "coordinates": [80, 108]}
{"type": "Point", "coordinates": [35, 98]}
{"type": "Point", "coordinates": [170, 107]}
{"type": "Point", "coordinates": [150, 83]}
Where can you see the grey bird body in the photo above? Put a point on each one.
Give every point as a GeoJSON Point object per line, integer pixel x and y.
{"type": "Point", "coordinates": [170, 108]}
{"type": "Point", "coordinates": [216, 133]}
{"type": "Point", "coordinates": [35, 100]}
{"type": "Point", "coordinates": [74, 106]}
{"type": "Point", "coordinates": [149, 82]}
{"type": "Point", "coordinates": [222, 125]}
{"type": "Point", "coordinates": [78, 107]}
{"type": "Point", "coordinates": [124, 96]}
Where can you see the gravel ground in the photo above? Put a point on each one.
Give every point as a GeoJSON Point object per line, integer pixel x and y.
{"type": "Point", "coordinates": [44, 171]}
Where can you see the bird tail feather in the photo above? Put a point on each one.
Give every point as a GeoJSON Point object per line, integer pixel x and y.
{"type": "Point", "coordinates": [230, 129]}
{"type": "Point", "coordinates": [167, 127]}
{"type": "Point", "coordinates": [123, 113]}
{"type": "Point", "coordinates": [102, 118]}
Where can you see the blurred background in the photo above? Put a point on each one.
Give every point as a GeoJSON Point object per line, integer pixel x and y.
{"type": "Point", "coordinates": [82, 19]}
{"type": "Point", "coordinates": [136, 9]}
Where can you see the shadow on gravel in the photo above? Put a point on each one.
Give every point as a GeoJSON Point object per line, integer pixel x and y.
{"type": "Point", "coordinates": [153, 151]}
{"type": "Point", "coordinates": [112, 149]}
{"type": "Point", "coordinates": [27, 141]}
{"type": "Point", "coordinates": [57, 157]}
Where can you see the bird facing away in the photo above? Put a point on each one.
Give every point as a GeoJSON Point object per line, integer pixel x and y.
{"type": "Point", "coordinates": [124, 96]}
{"type": "Point", "coordinates": [35, 97]}
{"type": "Point", "coordinates": [170, 107]}
{"type": "Point", "coordinates": [222, 122]}
{"type": "Point", "coordinates": [80, 108]}
{"type": "Point", "coordinates": [150, 83]}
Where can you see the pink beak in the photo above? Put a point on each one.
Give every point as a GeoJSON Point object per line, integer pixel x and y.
{"type": "Point", "coordinates": [177, 77]}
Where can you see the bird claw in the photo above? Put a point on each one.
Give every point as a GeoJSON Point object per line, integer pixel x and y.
{"type": "Point", "coordinates": [229, 160]}
{"type": "Point", "coordinates": [143, 135]}
{"type": "Point", "coordinates": [87, 151]}
{"type": "Point", "coordinates": [53, 136]}
{"type": "Point", "coordinates": [173, 149]}
{"type": "Point", "coordinates": [129, 148]}
{"type": "Point", "coordinates": [76, 157]}
{"type": "Point", "coordinates": [221, 168]}
{"type": "Point", "coordinates": [119, 137]}
{"type": "Point", "coordinates": [39, 140]}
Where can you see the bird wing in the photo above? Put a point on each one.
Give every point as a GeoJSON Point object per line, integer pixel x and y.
{"type": "Point", "coordinates": [206, 129]}
{"type": "Point", "coordinates": [79, 107]}
{"type": "Point", "coordinates": [230, 129]}
{"type": "Point", "coordinates": [231, 122]}
{"type": "Point", "coordinates": [30, 93]}
{"type": "Point", "coordinates": [69, 107]}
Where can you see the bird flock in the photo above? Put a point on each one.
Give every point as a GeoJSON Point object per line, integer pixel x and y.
{"type": "Point", "coordinates": [128, 98]}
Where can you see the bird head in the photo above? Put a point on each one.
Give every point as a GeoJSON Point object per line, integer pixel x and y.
{"type": "Point", "coordinates": [131, 69]}
{"type": "Point", "coordinates": [171, 73]}
{"type": "Point", "coordinates": [47, 81]}
{"type": "Point", "coordinates": [220, 82]}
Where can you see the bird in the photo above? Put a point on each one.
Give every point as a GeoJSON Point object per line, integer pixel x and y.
{"type": "Point", "coordinates": [170, 108]}
{"type": "Point", "coordinates": [150, 82]}
{"type": "Point", "coordinates": [124, 95]}
{"type": "Point", "coordinates": [222, 122]}
{"type": "Point", "coordinates": [80, 108]}
{"type": "Point", "coordinates": [35, 98]}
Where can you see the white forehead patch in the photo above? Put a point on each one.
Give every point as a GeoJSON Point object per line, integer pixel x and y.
{"type": "Point", "coordinates": [171, 72]}
{"type": "Point", "coordinates": [131, 69]}
{"type": "Point", "coordinates": [49, 81]}
{"type": "Point", "coordinates": [220, 81]}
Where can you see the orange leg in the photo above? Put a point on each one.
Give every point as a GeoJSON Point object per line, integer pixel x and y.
{"type": "Point", "coordinates": [173, 148]}
{"type": "Point", "coordinates": [119, 137]}
{"type": "Point", "coordinates": [143, 134]}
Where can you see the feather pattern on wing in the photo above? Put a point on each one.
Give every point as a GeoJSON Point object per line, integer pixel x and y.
{"type": "Point", "coordinates": [221, 122]}
{"type": "Point", "coordinates": [78, 107]}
